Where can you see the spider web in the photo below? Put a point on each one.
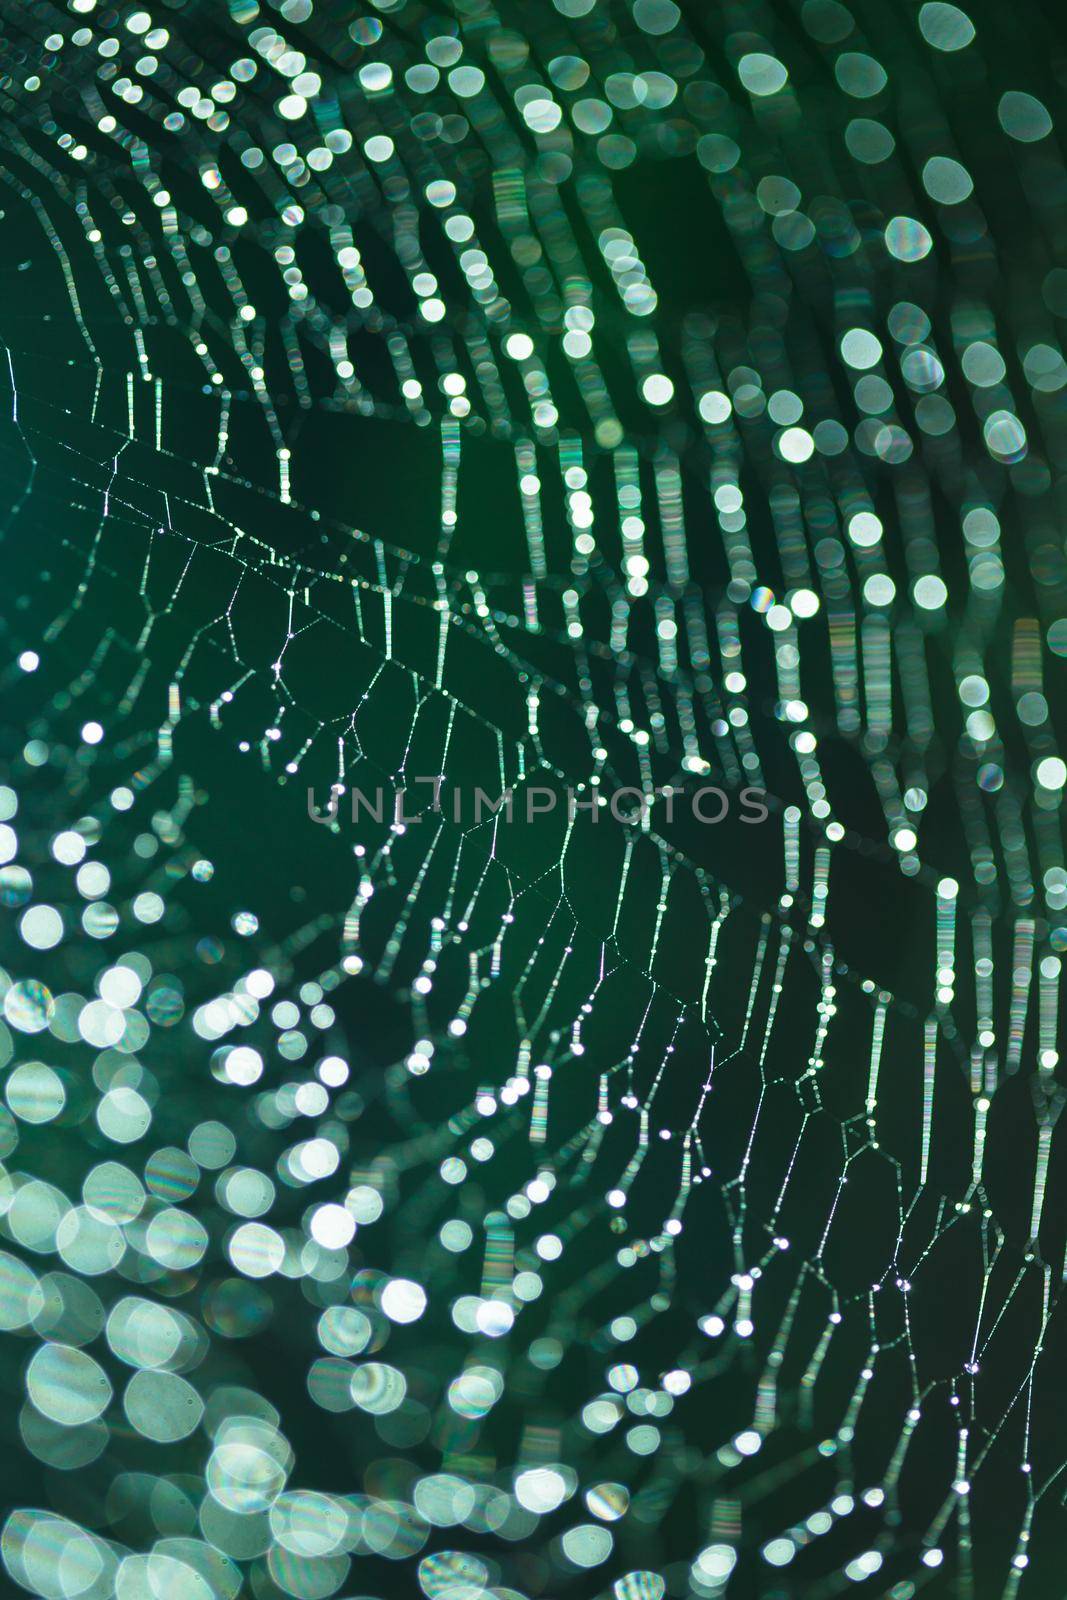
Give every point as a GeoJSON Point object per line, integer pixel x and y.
{"type": "Point", "coordinates": [579, 400]}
